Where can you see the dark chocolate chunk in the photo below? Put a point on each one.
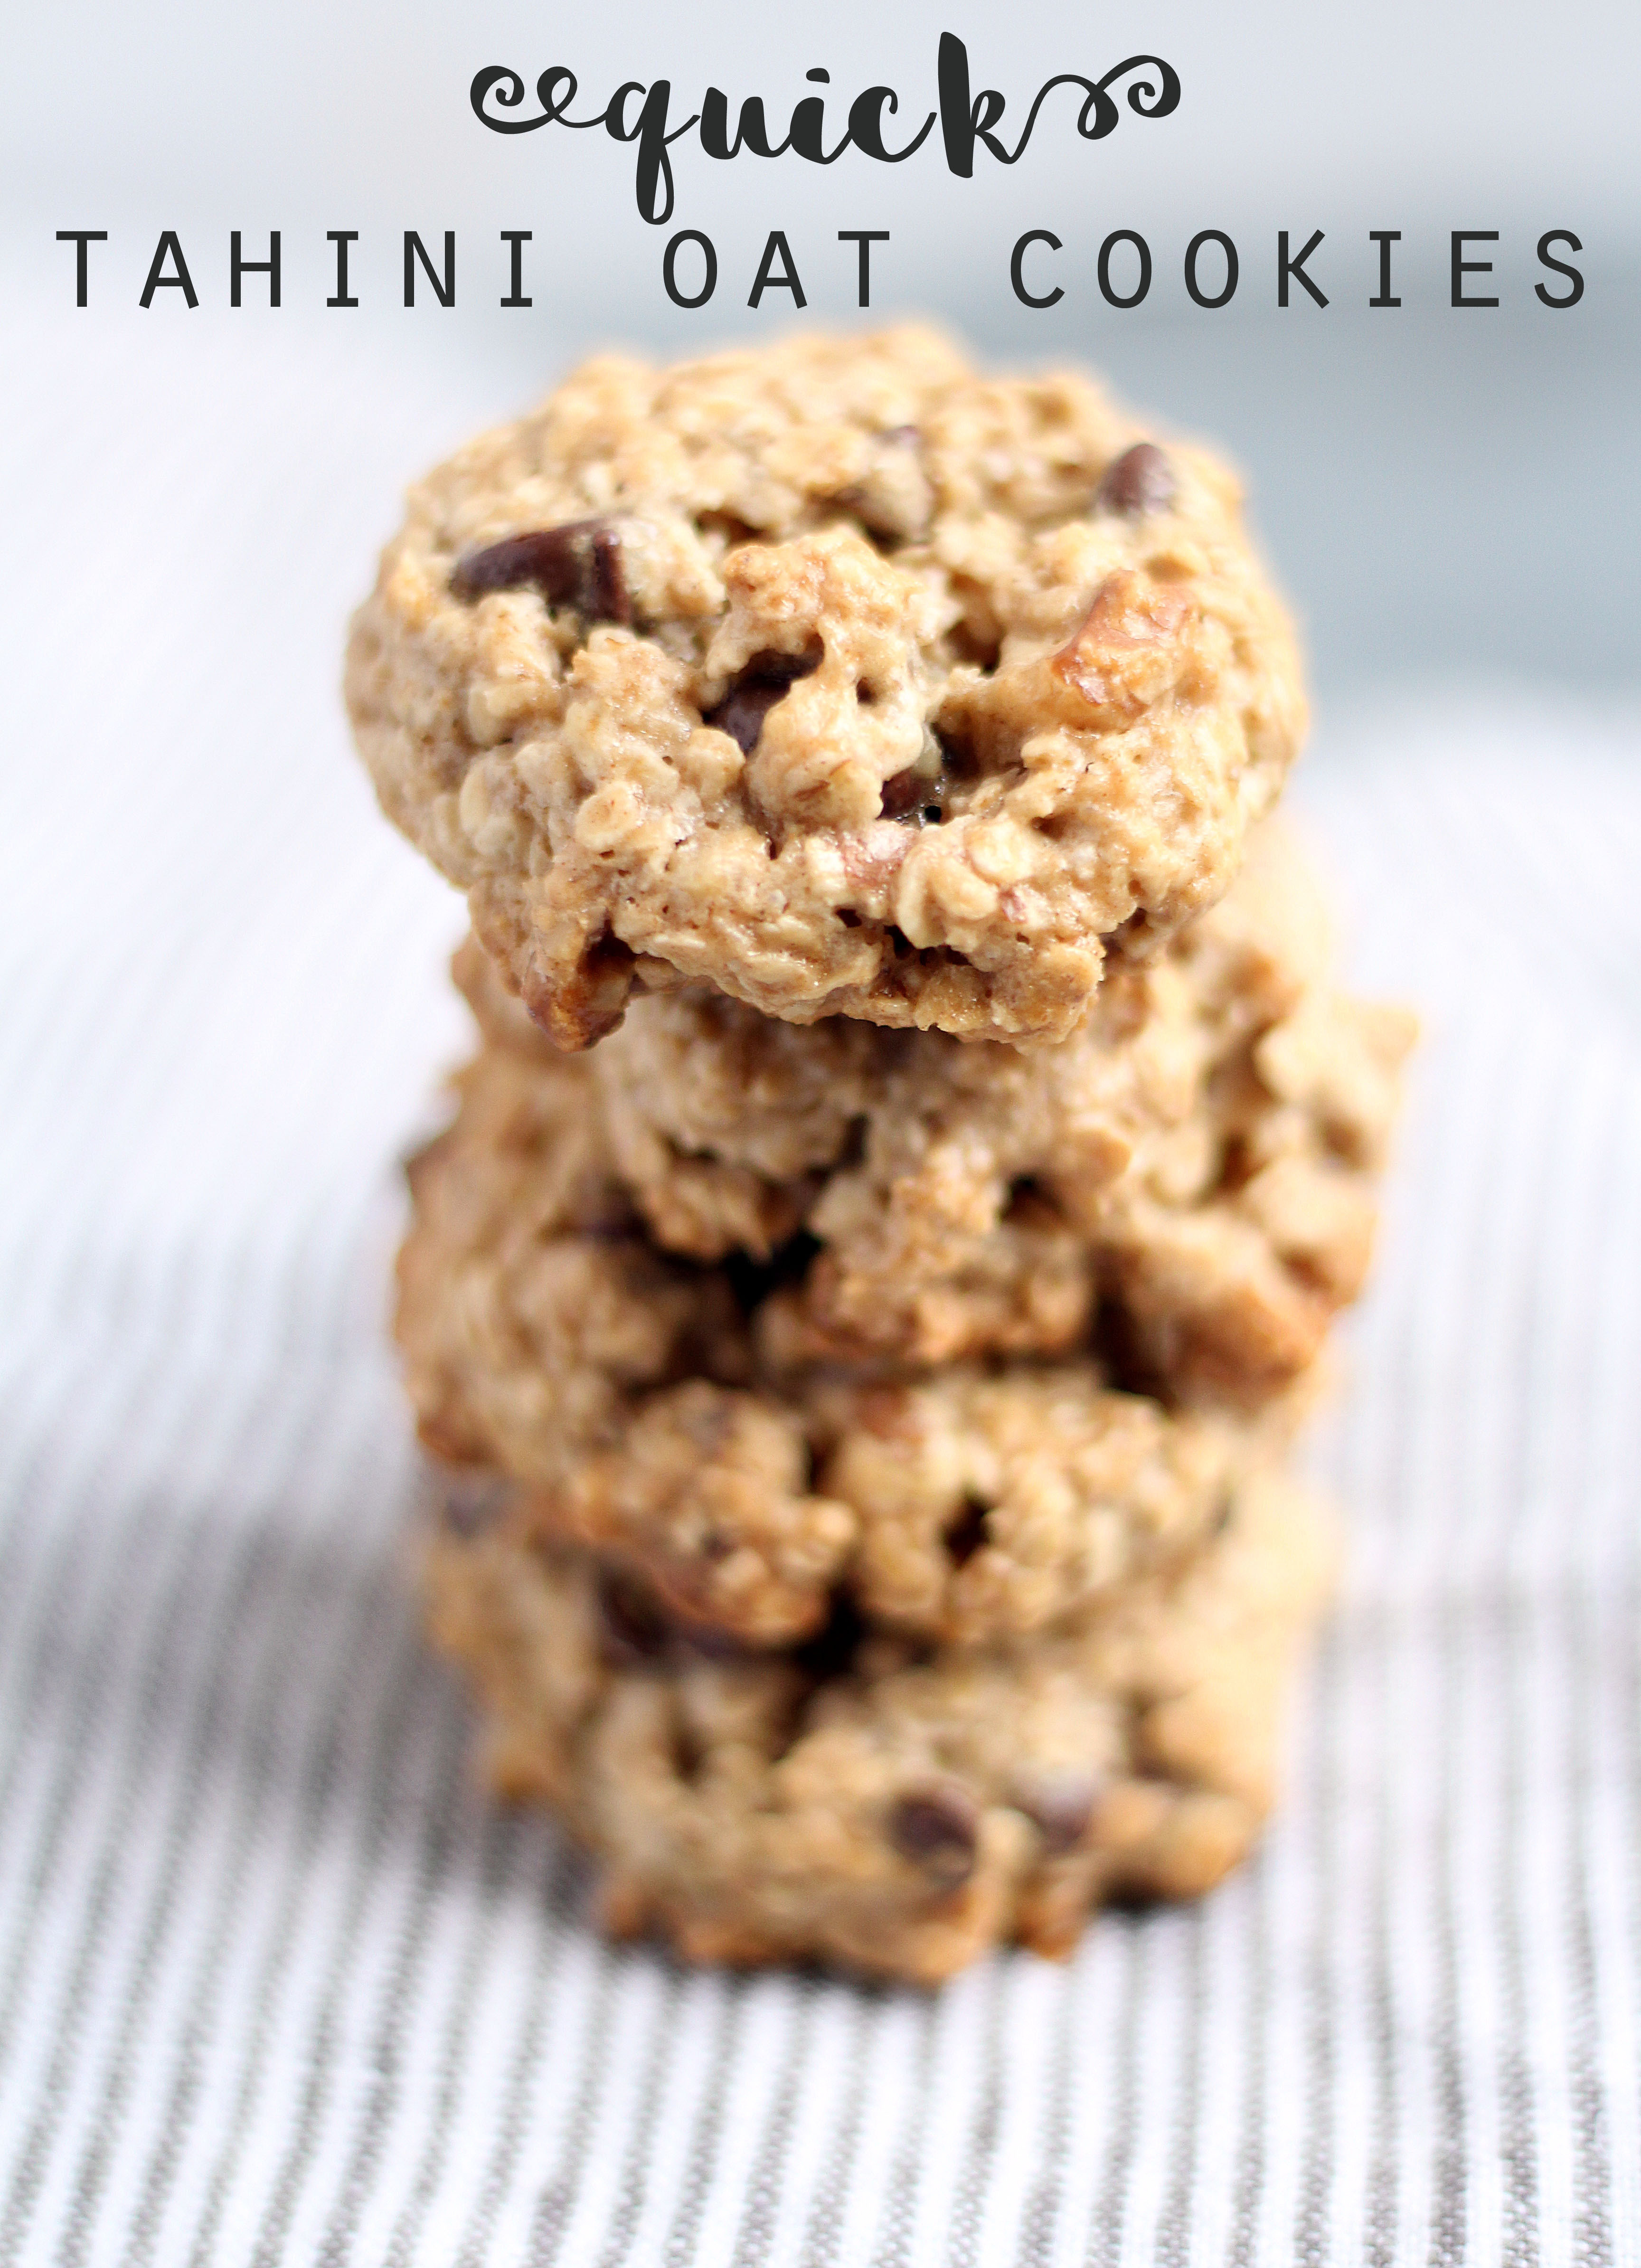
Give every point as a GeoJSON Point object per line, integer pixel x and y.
{"type": "Point", "coordinates": [937, 1827]}
{"type": "Point", "coordinates": [915, 795]}
{"type": "Point", "coordinates": [742, 714]}
{"type": "Point", "coordinates": [631, 1627]}
{"type": "Point", "coordinates": [1059, 1803]}
{"type": "Point", "coordinates": [967, 1533]}
{"type": "Point", "coordinates": [577, 565]}
{"type": "Point", "coordinates": [605, 599]}
{"type": "Point", "coordinates": [1141, 479]}
{"type": "Point", "coordinates": [760, 686]}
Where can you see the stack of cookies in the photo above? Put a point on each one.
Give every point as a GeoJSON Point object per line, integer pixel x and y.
{"type": "Point", "coordinates": [915, 1150]}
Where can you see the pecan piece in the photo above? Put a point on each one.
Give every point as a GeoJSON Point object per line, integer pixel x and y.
{"type": "Point", "coordinates": [938, 1827]}
{"type": "Point", "coordinates": [1128, 650]}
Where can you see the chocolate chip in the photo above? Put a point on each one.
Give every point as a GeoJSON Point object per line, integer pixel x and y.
{"type": "Point", "coordinates": [578, 565]}
{"type": "Point", "coordinates": [1141, 479]}
{"type": "Point", "coordinates": [760, 685]}
{"type": "Point", "coordinates": [741, 716]}
{"type": "Point", "coordinates": [938, 1827]}
{"type": "Point", "coordinates": [631, 1627]}
{"type": "Point", "coordinates": [473, 1501]}
{"type": "Point", "coordinates": [966, 1534]}
{"type": "Point", "coordinates": [915, 795]}
{"type": "Point", "coordinates": [606, 599]}
{"type": "Point", "coordinates": [1059, 1803]}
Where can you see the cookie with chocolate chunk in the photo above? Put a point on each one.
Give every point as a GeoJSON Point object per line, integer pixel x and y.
{"type": "Point", "coordinates": [548, 1337]}
{"type": "Point", "coordinates": [871, 1802]}
{"type": "Point", "coordinates": [831, 676]}
{"type": "Point", "coordinates": [1190, 1177]}
{"type": "Point", "coordinates": [970, 1333]}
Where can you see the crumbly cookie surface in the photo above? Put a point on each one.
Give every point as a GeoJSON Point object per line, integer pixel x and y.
{"type": "Point", "coordinates": [831, 676]}
{"type": "Point", "coordinates": [868, 1800]}
{"type": "Point", "coordinates": [1193, 1171]}
{"type": "Point", "coordinates": [546, 1337]}
{"type": "Point", "coordinates": [994, 1356]}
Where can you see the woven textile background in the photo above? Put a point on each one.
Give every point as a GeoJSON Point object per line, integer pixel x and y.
{"type": "Point", "coordinates": [276, 1983]}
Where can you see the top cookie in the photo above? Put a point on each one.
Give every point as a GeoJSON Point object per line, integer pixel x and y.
{"type": "Point", "coordinates": [831, 674]}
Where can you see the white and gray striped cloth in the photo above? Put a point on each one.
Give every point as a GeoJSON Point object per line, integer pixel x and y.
{"type": "Point", "coordinates": [276, 1985]}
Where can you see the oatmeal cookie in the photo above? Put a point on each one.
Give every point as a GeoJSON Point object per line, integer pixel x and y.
{"type": "Point", "coordinates": [971, 1333]}
{"type": "Point", "coordinates": [548, 1337]}
{"type": "Point", "coordinates": [867, 1800]}
{"type": "Point", "coordinates": [832, 676]}
{"type": "Point", "coordinates": [1193, 1170]}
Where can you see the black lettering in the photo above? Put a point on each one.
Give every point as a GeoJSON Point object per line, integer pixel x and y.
{"type": "Point", "coordinates": [1461, 267]}
{"type": "Point", "coordinates": [168, 249]}
{"type": "Point", "coordinates": [866, 126]}
{"type": "Point", "coordinates": [1123, 236]}
{"type": "Point", "coordinates": [517, 238]}
{"type": "Point", "coordinates": [1383, 237]}
{"type": "Point", "coordinates": [769, 281]}
{"type": "Point", "coordinates": [341, 238]}
{"type": "Point", "coordinates": [865, 238]}
{"type": "Point", "coordinates": [1210, 236]}
{"type": "Point", "coordinates": [1550, 236]}
{"type": "Point", "coordinates": [669, 267]}
{"type": "Point", "coordinates": [655, 166]}
{"type": "Point", "coordinates": [80, 238]}
{"type": "Point", "coordinates": [1099, 114]}
{"type": "Point", "coordinates": [444, 286]}
{"type": "Point", "coordinates": [508, 89]}
{"type": "Point", "coordinates": [751, 133]}
{"type": "Point", "coordinates": [1017, 269]}
{"type": "Point", "coordinates": [1295, 267]}
{"type": "Point", "coordinates": [554, 104]}
{"type": "Point", "coordinates": [807, 134]}
{"type": "Point", "coordinates": [964, 121]}
{"type": "Point", "coordinates": [965, 117]}
{"type": "Point", "coordinates": [239, 267]}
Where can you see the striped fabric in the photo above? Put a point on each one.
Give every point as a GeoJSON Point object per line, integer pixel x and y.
{"type": "Point", "coordinates": [277, 1986]}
